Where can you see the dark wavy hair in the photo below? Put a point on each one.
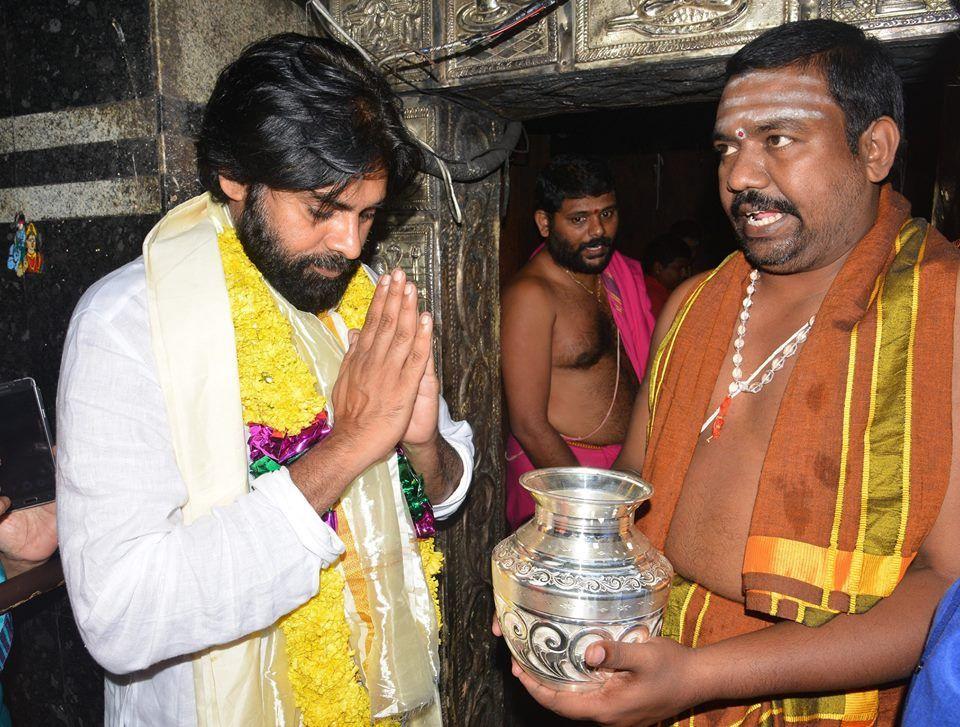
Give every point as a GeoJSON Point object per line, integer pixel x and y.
{"type": "Point", "coordinates": [295, 112]}
{"type": "Point", "coordinates": [860, 74]}
{"type": "Point", "coordinates": [571, 176]}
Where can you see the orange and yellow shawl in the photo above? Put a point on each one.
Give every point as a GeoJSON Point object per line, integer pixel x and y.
{"type": "Point", "coordinates": [864, 425]}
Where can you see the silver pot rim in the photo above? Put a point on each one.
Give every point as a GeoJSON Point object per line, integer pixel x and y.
{"type": "Point", "coordinates": [528, 479]}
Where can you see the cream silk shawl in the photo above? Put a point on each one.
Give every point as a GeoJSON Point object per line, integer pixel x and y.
{"type": "Point", "coordinates": [245, 682]}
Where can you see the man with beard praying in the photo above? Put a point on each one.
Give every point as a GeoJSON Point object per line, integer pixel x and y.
{"type": "Point", "coordinates": [230, 442]}
{"type": "Point", "coordinates": [575, 330]}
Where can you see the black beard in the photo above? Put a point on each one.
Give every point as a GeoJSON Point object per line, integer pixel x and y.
{"type": "Point", "coordinates": [775, 258]}
{"type": "Point", "coordinates": [291, 277]}
{"type": "Point", "coordinates": [569, 256]}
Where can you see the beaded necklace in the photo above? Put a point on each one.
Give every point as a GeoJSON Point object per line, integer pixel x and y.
{"type": "Point", "coordinates": [775, 360]}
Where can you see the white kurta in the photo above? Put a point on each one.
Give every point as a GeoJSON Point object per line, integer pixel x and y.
{"type": "Point", "coordinates": [148, 591]}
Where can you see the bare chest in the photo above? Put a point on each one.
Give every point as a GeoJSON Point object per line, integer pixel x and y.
{"type": "Point", "coordinates": [583, 336]}
{"type": "Point", "coordinates": [709, 529]}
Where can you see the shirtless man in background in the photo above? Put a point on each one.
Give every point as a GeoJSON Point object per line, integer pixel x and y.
{"type": "Point", "coordinates": [575, 330]}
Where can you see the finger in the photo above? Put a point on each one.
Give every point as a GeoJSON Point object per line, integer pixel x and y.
{"type": "Point", "coordinates": [374, 312]}
{"type": "Point", "coordinates": [573, 706]}
{"type": "Point", "coordinates": [386, 328]}
{"type": "Point", "coordinates": [4, 504]}
{"type": "Point", "coordinates": [353, 336]}
{"type": "Point", "coordinates": [418, 358]}
{"type": "Point", "coordinates": [495, 627]}
{"type": "Point", "coordinates": [431, 362]}
{"type": "Point", "coordinates": [613, 655]}
{"type": "Point", "coordinates": [406, 331]}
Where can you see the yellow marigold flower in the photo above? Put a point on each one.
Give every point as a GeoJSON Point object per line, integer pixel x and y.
{"type": "Point", "coordinates": [356, 300]}
{"type": "Point", "coordinates": [432, 560]}
{"type": "Point", "coordinates": [276, 386]}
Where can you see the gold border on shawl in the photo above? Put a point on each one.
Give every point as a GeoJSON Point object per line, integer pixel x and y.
{"type": "Point", "coordinates": [700, 616]}
{"type": "Point", "coordinates": [908, 407]}
{"type": "Point", "coordinates": [886, 469]}
{"type": "Point", "coordinates": [859, 709]}
{"type": "Point", "coordinates": [353, 576]}
{"type": "Point", "coordinates": [675, 613]}
{"type": "Point", "coordinates": [828, 575]}
{"type": "Point", "coordinates": [856, 564]}
{"type": "Point", "coordinates": [811, 563]}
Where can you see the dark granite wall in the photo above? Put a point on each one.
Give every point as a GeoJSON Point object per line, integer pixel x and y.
{"type": "Point", "coordinates": [99, 101]}
{"type": "Point", "coordinates": [69, 71]}
{"type": "Point", "coordinates": [67, 53]}
{"type": "Point", "coordinates": [57, 56]}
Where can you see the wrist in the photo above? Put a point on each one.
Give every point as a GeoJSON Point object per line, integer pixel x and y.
{"type": "Point", "coordinates": [417, 449]}
{"type": "Point", "coordinates": [13, 567]}
{"type": "Point", "coordinates": [325, 471]}
{"type": "Point", "coordinates": [703, 679]}
{"type": "Point", "coordinates": [351, 452]}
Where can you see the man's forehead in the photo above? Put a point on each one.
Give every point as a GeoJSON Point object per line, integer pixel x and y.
{"type": "Point", "coordinates": [584, 204]}
{"type": "Point", "coordinates": [789, 78]}
{"type": "Point", "coordinates": [363, 190]}
{"type": "Point", "coordinates": [781, 94]}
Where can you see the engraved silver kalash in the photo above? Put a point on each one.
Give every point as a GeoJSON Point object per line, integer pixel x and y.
{"type": "Point", "coordinates": [580, 571]}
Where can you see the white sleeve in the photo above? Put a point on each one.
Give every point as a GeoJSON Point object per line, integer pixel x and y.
{"type": "Point", "coordinates": [144, 587]}
{"type": "Point", "coordinates": [459, 435]}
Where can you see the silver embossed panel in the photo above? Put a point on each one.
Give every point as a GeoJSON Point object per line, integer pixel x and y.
{"type": "Point", "coordinates": [411, 246]}
{"type": "Point", "coordinates": [386, 26]}
{"type": "Point", "coordinates": [880, 15]}
{"type": "Point", "coordinates": [535, 46]}
{"type": "Point", "coordinates": [422, 121]}
{"type": "Point", "coordinates": [654, 29]}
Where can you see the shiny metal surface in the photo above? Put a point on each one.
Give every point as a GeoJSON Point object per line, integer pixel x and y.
{"type": "Point", "coordinates": [578, 572]}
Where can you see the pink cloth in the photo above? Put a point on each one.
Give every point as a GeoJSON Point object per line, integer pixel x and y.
{"type": "Point", "coordinates": [630, 306]}
{"type": "Point", "coordinates": [520, 504]}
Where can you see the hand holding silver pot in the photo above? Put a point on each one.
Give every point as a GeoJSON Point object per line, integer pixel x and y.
{"type": "Point", "coordinates": [579, 572]}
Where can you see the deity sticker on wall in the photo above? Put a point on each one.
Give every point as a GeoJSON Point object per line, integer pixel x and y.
{"type": "Point", "coordinates": [25, 257]}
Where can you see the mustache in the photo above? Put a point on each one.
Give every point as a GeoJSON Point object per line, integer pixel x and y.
{"type": "Point", "coordinates": [759, 200]}
{"type": "Point", "coordinates": [603, 241]}
{"type": "Point", "coordinates": [333, 261]}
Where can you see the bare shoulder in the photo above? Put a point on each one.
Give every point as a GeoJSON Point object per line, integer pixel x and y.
{"type": "Point", "coordinates": [529, 291]}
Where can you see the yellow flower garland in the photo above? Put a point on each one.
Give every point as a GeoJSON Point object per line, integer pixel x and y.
{"type": "Point", "coordinates": [276, 387]}
{"type": "Point", "coordinates": [279, 390]}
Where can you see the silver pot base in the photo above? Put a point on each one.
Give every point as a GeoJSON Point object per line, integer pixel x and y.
{"type": "Point", "coordinates": [552, 650]}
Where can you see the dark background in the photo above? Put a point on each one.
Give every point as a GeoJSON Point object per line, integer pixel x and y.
{"type": "Point", "coordinates": [56, 55]}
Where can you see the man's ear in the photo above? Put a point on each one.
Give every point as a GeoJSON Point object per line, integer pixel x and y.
{"type": "Point", "coordinates": [543, 222]}
{"type": "Point", "coordinates": [878, 148]}
{"type": "Point", "coordinates": [236, 191]}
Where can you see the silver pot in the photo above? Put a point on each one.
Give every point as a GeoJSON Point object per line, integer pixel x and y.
{"type": "Point", "coordinates": [580, 571]}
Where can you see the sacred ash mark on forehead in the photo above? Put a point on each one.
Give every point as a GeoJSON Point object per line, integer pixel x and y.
{"type": "Point", "coordinates": [787, 75]}
{"type": "Point", "coordinates": [799, 98]}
